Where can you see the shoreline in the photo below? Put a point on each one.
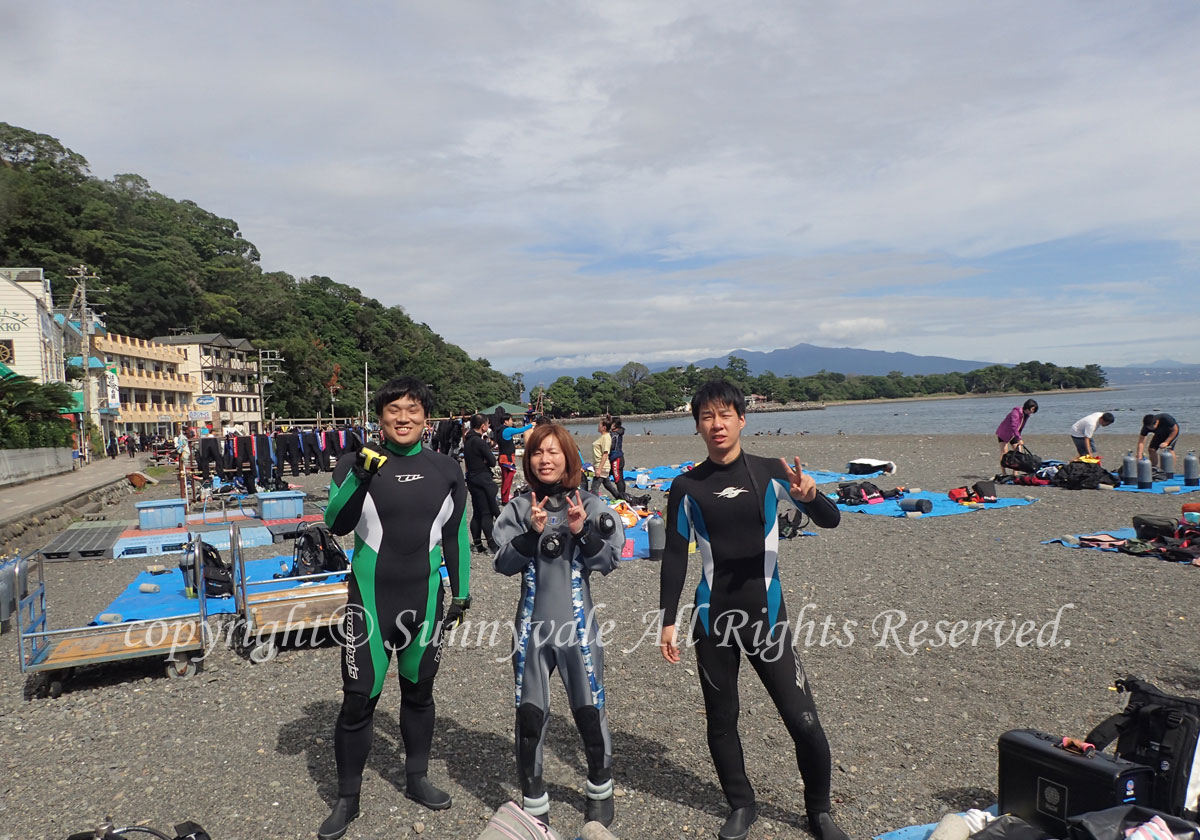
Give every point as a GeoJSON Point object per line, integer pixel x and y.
{"type": "Point", "coordinates": [773, 408]}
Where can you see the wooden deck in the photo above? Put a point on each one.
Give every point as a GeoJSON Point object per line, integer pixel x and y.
{"type": "Point", "coordinates": [107, 643]}
{"type": "Point", "coordinates": [300, 608]}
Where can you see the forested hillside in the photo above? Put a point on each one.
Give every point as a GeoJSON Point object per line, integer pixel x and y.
{"type": "Point", "coordinates": [169, 263]}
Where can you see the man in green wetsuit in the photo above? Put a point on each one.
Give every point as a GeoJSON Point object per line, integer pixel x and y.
{"type": "Point", "coordinates": [405, 505]}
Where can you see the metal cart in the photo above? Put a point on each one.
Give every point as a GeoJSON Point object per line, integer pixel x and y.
{"type": "Point", "coordinates": [265, 618]}
{"type": "Point", "coordinates": [180, 640]}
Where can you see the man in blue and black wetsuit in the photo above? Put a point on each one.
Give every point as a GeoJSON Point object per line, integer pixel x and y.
{"type": "Point", "coordinates": [728, 505]}
{"type": "Point", "coordinates": [405, 505]}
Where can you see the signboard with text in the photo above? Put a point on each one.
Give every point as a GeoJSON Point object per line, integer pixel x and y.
{"type": "Point", "coordinates": [114, 390]}
{"type": "Point", "coordinates": [200, 416]}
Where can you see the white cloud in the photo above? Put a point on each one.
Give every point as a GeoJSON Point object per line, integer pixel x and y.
{"type": "Point", "coordinates": [802, 170]}
{"type": "Point", "coordinates": [852, 328]}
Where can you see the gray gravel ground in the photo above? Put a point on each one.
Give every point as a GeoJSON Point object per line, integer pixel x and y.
{"type": "Point", "coordinates": [246, 749]}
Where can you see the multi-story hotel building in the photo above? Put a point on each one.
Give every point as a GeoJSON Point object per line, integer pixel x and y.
{"type": "Point", "coordinates": [226, 374]}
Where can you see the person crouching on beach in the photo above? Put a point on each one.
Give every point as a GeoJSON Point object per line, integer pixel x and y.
{"type": "Point", "coordinates": [1010, 428]}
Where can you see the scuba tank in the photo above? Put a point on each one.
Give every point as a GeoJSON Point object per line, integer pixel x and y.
{"type": "Point", "coordinates": [916, 505]}
{"type": "Point", "coordinates": [1191, 470]}
{"type": "Point", "coordinates": [1167, 462]}
{"type": "Point", "coordinates": [1145, 474]}
{"type": "Point", "coordinates": [1128, 469]}
{"type": "Point", "coordinates": [657, 529]}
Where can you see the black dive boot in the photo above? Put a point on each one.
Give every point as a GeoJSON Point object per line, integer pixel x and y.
{"type": "Point", "coordinates": [738, 824]}
{"type": "Point", "coordinates": [599, 803]}
{"type": "Point", "coordinates": [420, 790]}
{"type": "Point", "coordinates": [339, 819]}
{"type": "Point", "coordinates": [824, 828]}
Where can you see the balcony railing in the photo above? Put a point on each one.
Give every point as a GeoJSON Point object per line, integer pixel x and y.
{"type": "Point", "coordinates": [165, 379]}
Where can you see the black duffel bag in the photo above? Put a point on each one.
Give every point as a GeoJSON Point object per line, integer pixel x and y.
{"type": "Point", "coordinates": [1113, 823]}
{"type": "Point", "coordinates": [1020, 460]}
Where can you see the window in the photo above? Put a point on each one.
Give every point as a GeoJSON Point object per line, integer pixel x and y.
{"type": "Point", "coordinates": [6, 352]}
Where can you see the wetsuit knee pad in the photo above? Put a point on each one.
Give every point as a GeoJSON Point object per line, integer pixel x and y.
{"type": "Point", "coordinates": [357, 710]}
{"type": "Point", "coordinates": [530, 720]}
{"type": "Point", "coordinates": [587, 721]}
{"type": "Point", "coordinates": [418, 695]}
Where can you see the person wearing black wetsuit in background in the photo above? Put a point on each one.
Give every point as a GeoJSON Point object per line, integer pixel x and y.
{"type": "Point", "coordinates": [616, 456]}
{"type": "Point", "coordinates": [728, 505]}
{"type": "Point", "coordinates": [479, 460]}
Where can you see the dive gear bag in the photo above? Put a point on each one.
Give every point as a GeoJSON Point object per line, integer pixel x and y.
{"type": "Point", "coordinates": [1160, 731]}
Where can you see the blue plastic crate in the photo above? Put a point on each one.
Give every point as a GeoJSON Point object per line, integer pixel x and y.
{"type": "Point", "coordinates": [285, 504]}
{"type": "Point", "coordinates": [164, 513]}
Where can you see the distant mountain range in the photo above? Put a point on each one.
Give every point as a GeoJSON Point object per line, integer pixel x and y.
{"type": "Point", "coordinates": [800, 360]}
{"type": "Point", "coordinates": [1164, 370]}
{"type": "Point", "coordinates": [807, 359]}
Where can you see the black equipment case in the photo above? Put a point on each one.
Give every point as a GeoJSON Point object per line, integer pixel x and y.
{"type": "Point", "coordinates": [1043, 782]}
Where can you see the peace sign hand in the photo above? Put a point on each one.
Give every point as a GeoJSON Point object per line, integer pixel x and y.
{"type": "Point", "coordinates": [802, 486]}
{"type": "Point", "coordinates": [537, 514]}
{"type": "Point", "coordinates": [576, 513]}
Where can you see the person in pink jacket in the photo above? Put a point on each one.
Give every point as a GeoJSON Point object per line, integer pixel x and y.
{"type": "Point", "coordinates": [1010, 428]}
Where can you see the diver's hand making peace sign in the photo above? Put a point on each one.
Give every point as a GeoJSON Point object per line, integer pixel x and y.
{"type": "Point", "coordinates": [537, 513]}
{"type": "Point", "coordinates": [803, 488]}
{"type": "Point", "coordinates": [576, 513]}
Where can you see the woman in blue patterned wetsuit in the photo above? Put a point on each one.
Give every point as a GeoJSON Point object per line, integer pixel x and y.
{"type": "Point", "coordinates": [555, 537]}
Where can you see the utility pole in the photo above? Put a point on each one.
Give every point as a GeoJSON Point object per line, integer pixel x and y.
{"type": "Point", "coordinates": [366, 388]}
{"type": "Point", "coordinates": [81, 274]}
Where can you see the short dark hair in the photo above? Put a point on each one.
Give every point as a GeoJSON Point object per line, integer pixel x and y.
{"type": "Point", "coordinates": [404, 386]}
{"type": "Point", "coordinates": [1150, 421]}
{"type": "Point", "coordinates": [1106, 418]}
{"type": "Point", "coordinates": [1030, 405]}
{"type": "Point", "coordinates": [477, 421]}
{"type": "Point", "coordinates": [616, 423]}
{"type": "Point", "coordinates": [720, 392]}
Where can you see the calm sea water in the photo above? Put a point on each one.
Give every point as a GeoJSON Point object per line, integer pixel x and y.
{"type": "Point", "coordinates": [1056, 413]}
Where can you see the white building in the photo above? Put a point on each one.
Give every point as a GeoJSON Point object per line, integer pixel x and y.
{"type": "Point", "coordinates": [31, 341]}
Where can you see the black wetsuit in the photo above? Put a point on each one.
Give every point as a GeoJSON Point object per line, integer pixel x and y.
{"type": "Point", "coordinates": [731, 511]}
{"type": "Point", "coordinates": [616, 457]}
{"type": "Point", "coordinates": [479, 460]}
{"type": "Point", "coordinates": [405, 518]}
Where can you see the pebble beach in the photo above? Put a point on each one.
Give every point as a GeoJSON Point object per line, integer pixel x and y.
{"type": "Point", "coordinates": [912, 714]}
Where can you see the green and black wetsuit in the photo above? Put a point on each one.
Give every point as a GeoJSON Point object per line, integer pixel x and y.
{"type": "Point", "coordinates": [405, 518]}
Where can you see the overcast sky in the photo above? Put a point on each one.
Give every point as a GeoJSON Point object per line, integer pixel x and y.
{"type": "Point", "coordinates": [609, 181]}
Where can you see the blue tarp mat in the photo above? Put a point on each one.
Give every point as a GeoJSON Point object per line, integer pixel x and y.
{"type": "Point", "coordinates": [1160, 487]}
{"type": "Point", "coordinates": [1119, 533]}
{"type": "Point", "coordinates": [942, 506]}
{"type": "Point", "coordinates": [661, 476]}
{"type": "Point", "coordinates": [920, 832]}
{"type": "Point", "coordinates": [826, 477]}
{"type": "Point", "coordinates": [134, 605]}
{"type": "Point", "coordinates": [637, 540]}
